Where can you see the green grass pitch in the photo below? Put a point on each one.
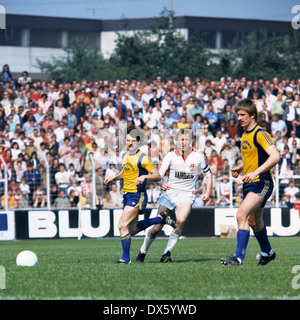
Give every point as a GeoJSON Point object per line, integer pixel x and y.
{"type": "Point", "coordinates": [72, 269]}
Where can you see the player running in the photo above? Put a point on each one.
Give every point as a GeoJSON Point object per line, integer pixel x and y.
{"type": "Point", "coordinates": [259, 157]}
{"type": "Point", "coordinates": [184, 165]}
{"type": "Point", "coordinates": [136, 171]}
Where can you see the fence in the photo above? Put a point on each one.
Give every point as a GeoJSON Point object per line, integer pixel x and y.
{"type": "Point", "coordinates": [58, 186]}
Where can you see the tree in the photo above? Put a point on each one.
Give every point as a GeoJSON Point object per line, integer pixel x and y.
{"type": "Point", "coordinates": [81, 62]}
{"type": "Point", "coordinates": [161, 49]}
{"type": "Point", "coordinates": [265, 56]}
{"type": "Point", "coordinates": [292, 55]}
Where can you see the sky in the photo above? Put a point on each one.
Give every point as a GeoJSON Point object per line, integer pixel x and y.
{"type": "Point", "coordinates": [278, 10]}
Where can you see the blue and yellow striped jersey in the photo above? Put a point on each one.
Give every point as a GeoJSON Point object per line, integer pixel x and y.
{"type": "Point", "coordinates": [253, 146]}
{"type": "Point", "coordinates": [134, 166]}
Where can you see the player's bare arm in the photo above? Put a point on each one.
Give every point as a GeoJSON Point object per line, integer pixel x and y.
{"type": "Point", "coordinates": [118, 176]}
{"type": "Point", "coordinates": [273, 159]}
{"type": "Point", "coordinates": [205, 196]}
{"type": "Point", "coordinates": [236, 171]}
{"type": "Point", "coordinates": [164, 186]}
{"type": "Point", "coordinates": [152, 176]}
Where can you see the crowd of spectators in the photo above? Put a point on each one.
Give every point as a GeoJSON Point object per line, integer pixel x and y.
{"type": "Point", "coordinates": [61, 124]}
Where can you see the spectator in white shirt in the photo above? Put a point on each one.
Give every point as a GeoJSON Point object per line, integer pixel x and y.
{"type": "Point", "coordinates": [219, 141]}
{"type": "Point", "coordinates": [292, 138]}
{"type": "Point", "coordinates": [52, 94]}
{"type": "Point", "coordinates": [290, 191]}
{"type": "Point", "coordinates": [166, 104]}
{"type": "Point", "coordinates": [270, 98]}
{"type": "Point", "coordinates": [60, 131]}
{"type": "Point", "coordinates": [147, 95]}
{"type": "Point", "coordinates": [153, 195]}
{"type": "Point", "coordinates": [62, 178]}
{"type": "Point", "coordinates": [59, 111]}
{"type": "Point", "coordinates": [157, 111]}
{"type": "Point", "coordinates": [218, 103]}
{"type": "Point", "coordinates": [110, 109]}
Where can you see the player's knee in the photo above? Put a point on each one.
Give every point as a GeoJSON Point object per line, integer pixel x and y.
{"type": "Point", "coordinates": [153, 232]}
{"type": "Point", "coordinates": [180, 223]}
{"type": "Point", "coordinates": [123, 227]}
{"type": "Point", "coordinates": [241, 217]}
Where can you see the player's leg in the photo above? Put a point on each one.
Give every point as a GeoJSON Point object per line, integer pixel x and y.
{"type": "Point", "coordinates": [251, 203]}
{"type": "Point", "coordinates": [146, 223]}
{"type": "Point", "coordinates": [182, 211]}
{"type": "Point", "coordinates": [260, 232]}
{"type": "Point", "coordinates": [142, 199]}
{"type": "Point", "coordinates": [129, 225]}
{"type": "Point", "coordinates": [151, 235]}
{"type": "Point", "coordinates": [165, 206]}
{"type": "Point", "coordinates": [128, 218]}
{"type": "Point", "coordinates": [153, 232]}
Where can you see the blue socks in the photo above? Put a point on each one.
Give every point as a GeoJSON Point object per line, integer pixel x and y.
{"type": "Point", "coordinates": [263, 241]}
{"type": "Point", "coordinates": [261, 237]}
{"type": "Point", "coordinates": [144, 224]}
{"type": "Point", "coordinates": [242, 242]}
{"type": "Point", "coordinates": [126, 242]}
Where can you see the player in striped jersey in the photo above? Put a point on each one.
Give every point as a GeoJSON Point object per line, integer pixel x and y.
{"type": "Point", "coordinates": [259, 155]}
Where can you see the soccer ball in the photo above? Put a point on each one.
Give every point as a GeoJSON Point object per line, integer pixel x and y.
{"type": "Point", "coordinates": [27, 258]}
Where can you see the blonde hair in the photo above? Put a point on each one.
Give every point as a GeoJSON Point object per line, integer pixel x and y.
{"type": "Point", "coordinates": [186, 132]}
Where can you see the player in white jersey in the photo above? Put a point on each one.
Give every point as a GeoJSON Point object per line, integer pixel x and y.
{"type": "Point", "coordinates": [184, 165]}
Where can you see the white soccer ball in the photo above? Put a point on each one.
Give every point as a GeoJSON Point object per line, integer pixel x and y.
{"type": "Point", "coordinates": [27, 258]}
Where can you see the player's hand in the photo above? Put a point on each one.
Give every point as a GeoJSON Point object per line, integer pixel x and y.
{"type": "Point", "coordinates": [236, 171]}
{"type": "Point", "coordinates": [249, 177]}
{"type": "Point", "coordinates": [140, 180]}
{"type": "Point", "coordinates": [108, 181]}
{"type": "Point", "coordinates": [205, 197]}
{"type": "Point", "coordinates": [165, 187]}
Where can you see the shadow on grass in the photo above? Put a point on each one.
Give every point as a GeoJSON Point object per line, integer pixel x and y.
{"type": "Point", "coordinates": [185, 260]}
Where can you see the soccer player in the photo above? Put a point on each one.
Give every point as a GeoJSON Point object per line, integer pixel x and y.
{"type": "Point", "coordinates": [184, 165]}
{"type": "Point", "coordinates": [136, 171]}
{"type": "Point", "coordinates": [259, 155]}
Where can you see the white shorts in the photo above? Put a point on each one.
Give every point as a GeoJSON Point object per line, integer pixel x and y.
{"type": "Point", "coordinates": [171, 198]}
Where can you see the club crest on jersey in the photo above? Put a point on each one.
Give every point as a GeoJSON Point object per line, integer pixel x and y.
{"type": "Point", "coordinates": [192, 167]}
{"type": "Point", "coordinates": [246, 145]}
{"type": "Point", "coordinates": [127, 167]}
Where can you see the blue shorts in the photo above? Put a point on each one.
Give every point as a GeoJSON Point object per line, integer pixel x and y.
{"type": "Point", "coordinates": [136, 200]}
{"type": "Point", "coordinates": [263, 188]}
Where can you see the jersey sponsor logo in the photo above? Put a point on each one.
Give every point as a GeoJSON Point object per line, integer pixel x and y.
{"type": "Point", "coordinates": [184, 175]}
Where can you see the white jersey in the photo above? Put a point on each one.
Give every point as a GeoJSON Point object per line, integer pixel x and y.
{"type": "Point", "coordinates": [183, 172]}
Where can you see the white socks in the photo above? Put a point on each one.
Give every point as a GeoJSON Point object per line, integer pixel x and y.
{"type": "Point", "coordinates": [146, 244]}
{"type": "Point", "coordinates": [173, 239]}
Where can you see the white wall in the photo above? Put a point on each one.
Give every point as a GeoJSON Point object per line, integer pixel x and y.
{"type": "Point", "coordinates": [24, 58]}
{"type": "Point", "coordinates": [107, 41]}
